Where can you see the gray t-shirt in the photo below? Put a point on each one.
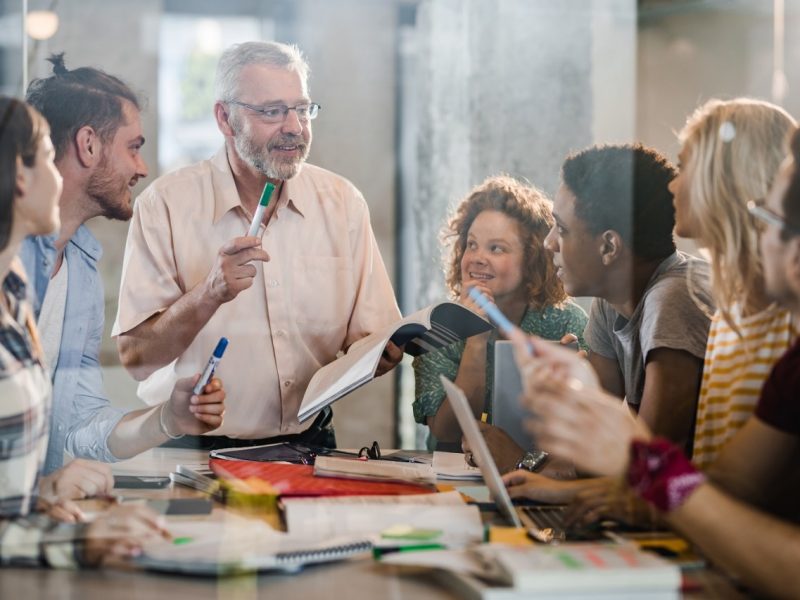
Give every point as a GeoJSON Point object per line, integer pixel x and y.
{"type": "Point", "coordinates": [667, 316]}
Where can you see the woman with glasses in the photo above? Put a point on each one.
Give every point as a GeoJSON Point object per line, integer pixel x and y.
{"type": "Point", "coordinates": [30, 186]}
{"type": "Point", "coordinates": [497, 235]}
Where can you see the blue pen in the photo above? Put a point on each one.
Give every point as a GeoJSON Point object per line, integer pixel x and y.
{"type": "Point", "coordinates": [211, 365]}
{"type": "Point", "coordinates": [498, 318]}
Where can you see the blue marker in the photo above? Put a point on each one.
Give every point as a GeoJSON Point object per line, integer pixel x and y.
{"type": "Point", "coordinates": [208, 372]}
{"type": "Point", "coordinates": [510, 330]}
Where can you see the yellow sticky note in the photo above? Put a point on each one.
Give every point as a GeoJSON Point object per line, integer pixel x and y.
{"type": "Point", "coordinates": [515, 536]}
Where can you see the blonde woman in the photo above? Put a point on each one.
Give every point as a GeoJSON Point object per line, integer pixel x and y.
{"type": "Point", "coordinates": [730, 155]}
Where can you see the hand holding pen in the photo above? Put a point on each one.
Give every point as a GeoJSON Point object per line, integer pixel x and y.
{"type": "Point", "coordinates": [233, 272]}
{"type": "Point", "coordinates": [508, 329]}
{"type": "Point", "coordinates": [197, 404]}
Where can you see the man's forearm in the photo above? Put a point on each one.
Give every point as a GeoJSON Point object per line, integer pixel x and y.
{"type": "Point", "coordinates": [136, 432]}
{"type": "Point", "coordinates": [162, 338]}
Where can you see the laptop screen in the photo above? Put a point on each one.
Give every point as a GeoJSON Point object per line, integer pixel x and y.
{"type": "Point", "coordinates": [507, 412]}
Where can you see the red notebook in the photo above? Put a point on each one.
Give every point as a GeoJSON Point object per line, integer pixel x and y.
{"type": "Point", "coordinates": [299, 480]}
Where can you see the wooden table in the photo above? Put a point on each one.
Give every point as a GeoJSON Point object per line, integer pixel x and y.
{"type": "Point", "coordinates": [349, 579]}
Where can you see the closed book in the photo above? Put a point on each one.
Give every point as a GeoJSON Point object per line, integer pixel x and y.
{"type": "Point", "coordinates": [373, 470]}
{"type": "Point", "coordinates": [579, 568]}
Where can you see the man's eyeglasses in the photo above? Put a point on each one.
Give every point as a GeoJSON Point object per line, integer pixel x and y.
{"type": "Point", "coordinates": [276, 113]}
{"type": "Point", "coordinates": [767, 216]}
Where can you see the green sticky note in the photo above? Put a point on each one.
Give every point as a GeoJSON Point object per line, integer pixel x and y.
{"type": "Point", "coordinates": [179, 541]}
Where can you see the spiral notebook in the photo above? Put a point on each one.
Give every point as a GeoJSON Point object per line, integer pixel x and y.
{"type": "Point", "coordinates": [237, 545]}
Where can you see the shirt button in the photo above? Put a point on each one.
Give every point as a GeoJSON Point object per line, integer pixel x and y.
{"type": "Point", "coordinates": [273, 283]}
{"type": "Point", "coordinates": [287, 383]}
{"type": "Point", "coordinates": [279, 333]}
{"type": "Point", "coordinates": [61, 428]}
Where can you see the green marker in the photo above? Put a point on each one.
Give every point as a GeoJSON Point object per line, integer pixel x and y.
{"type": "Point", "coordinates": [380, 551]}
{"type": "Point", "coordinates": [262, 206]}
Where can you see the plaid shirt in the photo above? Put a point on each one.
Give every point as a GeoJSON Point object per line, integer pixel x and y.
{"type": "Point", "coordinates": [25, 539]}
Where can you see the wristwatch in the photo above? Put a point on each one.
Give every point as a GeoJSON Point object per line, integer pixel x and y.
{"type": "Point", "coordinates": [533, 461]}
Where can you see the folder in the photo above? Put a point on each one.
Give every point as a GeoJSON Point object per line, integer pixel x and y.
{"type": "Point", "coordinates": [299, 480]}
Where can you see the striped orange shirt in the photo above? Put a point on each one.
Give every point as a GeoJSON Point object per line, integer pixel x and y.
{"type": "Point", "coordinates": [735, 369]}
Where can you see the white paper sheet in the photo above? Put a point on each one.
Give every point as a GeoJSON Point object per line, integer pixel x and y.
{"type": "Point", "coordinates": [460, 525]}
{"type": "Point", "coordinates": [451, 465]}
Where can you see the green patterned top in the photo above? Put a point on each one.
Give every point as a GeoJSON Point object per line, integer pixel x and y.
{"type": "Point", "coordinates": [552, 323]}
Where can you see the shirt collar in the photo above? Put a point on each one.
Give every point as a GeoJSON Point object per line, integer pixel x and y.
{"type": "Point", "coordinates": [226, 196]}
{"type": "Point", "coordinates": [83, 239]}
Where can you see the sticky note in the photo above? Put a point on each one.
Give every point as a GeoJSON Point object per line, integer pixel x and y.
{"type": "Point", "coordinates": [179, 541]}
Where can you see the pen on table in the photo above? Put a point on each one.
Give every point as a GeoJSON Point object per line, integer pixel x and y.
{"type": "Point", "coordinates": [211, 365]}
{"type": "Point", "coordinates": [510, 330]}
{"type": "Point", "coordinates": [262, 206]}
{"type": "Point", "coordinates": [614, 537]}
{"type": "Point", "coordinates": [380, 551]}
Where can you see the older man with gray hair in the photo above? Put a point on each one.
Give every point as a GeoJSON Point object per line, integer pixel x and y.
{"type": "Point", "coordinates": [309, 284]}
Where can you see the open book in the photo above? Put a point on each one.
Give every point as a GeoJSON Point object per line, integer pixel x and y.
{"type": "Point", "coordinates": [431, 328]}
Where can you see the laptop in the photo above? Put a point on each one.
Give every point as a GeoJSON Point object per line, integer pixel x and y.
{"type": "Point", "coordinates": [543, 522]}
{"type": "Point", "coordinates": [507, 411]}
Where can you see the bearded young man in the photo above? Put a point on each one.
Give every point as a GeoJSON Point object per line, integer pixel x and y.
{"type": "Point", "coordinates": [309, 284]}
{"type": "Point", "coordinates": [97, 135]}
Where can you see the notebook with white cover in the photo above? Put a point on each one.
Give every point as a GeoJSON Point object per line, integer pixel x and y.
{"type": "Point", "coordinates": [583, 567]}
{"type": "Point", "coordinates": [238, 545]}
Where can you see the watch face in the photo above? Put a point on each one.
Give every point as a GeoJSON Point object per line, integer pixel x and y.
{"type": "Point", "coordinates": [533, 460]}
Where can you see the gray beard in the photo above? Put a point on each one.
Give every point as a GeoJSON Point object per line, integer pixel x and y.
{"type": "Point", "coordinates": [257, 158]}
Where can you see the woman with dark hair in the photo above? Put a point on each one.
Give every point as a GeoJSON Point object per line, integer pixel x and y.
{"type": "Point", "coordinates": [497, 235]}
{"type": "Point", "coordinates": [30, 186]}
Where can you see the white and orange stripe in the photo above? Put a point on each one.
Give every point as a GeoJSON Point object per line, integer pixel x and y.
{"type": "Point", "coordinates": [735, 368]}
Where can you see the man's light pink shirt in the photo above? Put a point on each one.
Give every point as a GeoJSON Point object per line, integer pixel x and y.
{"type": "Point", "coordinates": [324, 287]}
